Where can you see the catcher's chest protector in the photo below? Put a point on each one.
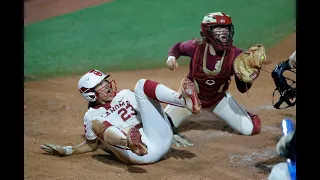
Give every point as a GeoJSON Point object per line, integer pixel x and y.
{"type": "Point", "coordinates": [211, 84]}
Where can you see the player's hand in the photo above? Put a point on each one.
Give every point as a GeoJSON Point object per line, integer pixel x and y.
{"type": "Point", "coordinates": [53, 149]}
{"type": "Point", "coordinates": [172, 63]}
{"type": "Point", "coordinates": [180, 139]}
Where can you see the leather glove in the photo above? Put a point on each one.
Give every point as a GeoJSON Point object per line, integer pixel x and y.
{"type": "Point", "coordinates": [172, 63]}
{"type": "Point", "coordinates": [248, 64]}
{"type": "Point", "coordinates": [57, 150]}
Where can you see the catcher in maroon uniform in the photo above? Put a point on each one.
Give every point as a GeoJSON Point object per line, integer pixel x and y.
{"type": "Point", "coordinates": [211, 68]}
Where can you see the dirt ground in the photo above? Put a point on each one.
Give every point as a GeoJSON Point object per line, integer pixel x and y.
{"type": "Point", "coordinates": [54, 114]}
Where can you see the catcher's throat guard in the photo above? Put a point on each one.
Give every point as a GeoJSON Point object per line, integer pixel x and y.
{"type": "Point", "coordinates": [286, 98]}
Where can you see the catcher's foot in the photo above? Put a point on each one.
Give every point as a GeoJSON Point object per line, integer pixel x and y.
{"type": "Point", "coordinates": [135, 143]}
{"type": "Point", "coordinates": [188, 91]}
{"type": "Point", "coordinates": [256, 123]}
{"type": "Point", "coordinates": [108, 133]}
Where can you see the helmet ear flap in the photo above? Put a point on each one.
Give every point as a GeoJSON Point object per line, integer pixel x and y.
{"type": "Point", "coordinates": [91, 97]}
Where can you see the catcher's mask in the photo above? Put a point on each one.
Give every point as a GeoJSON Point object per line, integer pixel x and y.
{"type": "Point", "coordinates": [211, 27]}
{"type": "Point", "coordinates": [286, 98]}
{"type": "Point", "coordinates": [94, 85]}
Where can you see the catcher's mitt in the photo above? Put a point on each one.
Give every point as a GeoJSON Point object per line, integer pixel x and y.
{"type": "Point", "coordinates": [248, 64]}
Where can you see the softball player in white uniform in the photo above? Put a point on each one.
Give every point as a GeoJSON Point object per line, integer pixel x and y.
{"type": "Point", "coordinates": [131, 124]}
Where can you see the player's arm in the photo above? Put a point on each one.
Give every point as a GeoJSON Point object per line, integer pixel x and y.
{"type": "Point", "coordinates": [186, 48]}
{"type": "Point", "coordinates": [84, 147]}
{"type": "Point", "coordinates": [90, 143]}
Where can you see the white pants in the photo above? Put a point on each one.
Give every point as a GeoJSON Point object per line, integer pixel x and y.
{"type": "Point", "coordinates": [156, 132]}
{"type": "Point", "coordinates": [280, 172]}
{"type": "Point", "coordinates": [227, 110]}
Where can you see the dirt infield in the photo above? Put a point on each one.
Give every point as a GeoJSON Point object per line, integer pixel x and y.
{"type": "Point", "coordinates": [37, 10]}
{"type": "Point", "coordinates": [54, 114]}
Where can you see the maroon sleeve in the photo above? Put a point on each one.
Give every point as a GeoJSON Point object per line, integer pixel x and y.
{"type": "Point", "coordinates": [242, 86]}
{"type": "Point", "coordinates": [186, 48]}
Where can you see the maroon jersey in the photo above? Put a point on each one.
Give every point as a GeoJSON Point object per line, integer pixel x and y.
{"type": "Point", "coordinates": [210, 71]}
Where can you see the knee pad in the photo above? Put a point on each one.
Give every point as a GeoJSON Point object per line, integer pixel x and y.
{"type": "Point", "coordinates": [108, 133]}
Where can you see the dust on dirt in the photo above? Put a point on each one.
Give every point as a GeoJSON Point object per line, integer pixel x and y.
{"type": "Point", "coordinates": [54, 112]}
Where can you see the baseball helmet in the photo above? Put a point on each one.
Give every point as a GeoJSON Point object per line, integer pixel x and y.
{"type": "Point", "coordinates": [216, 19]}
{"type": "Point", "coordinates": [88, 82]}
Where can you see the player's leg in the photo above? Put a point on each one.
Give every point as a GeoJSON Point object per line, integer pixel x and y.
{"type": "Point", "coordinates": [236, 117]}
{"type": "Point", "coordinates": [146, 90]}
{"type": "Point", "coordinates": [280, 172]}
{"type": "Point", "coordinates": [157, 133]}
{"type": "Point", "coordinates": [177, 114]}
{"type": "Point", "coordinates": [156, 126]}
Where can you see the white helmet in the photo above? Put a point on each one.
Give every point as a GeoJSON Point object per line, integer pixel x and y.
{"type": "Point", "coordinates": [87, 83]}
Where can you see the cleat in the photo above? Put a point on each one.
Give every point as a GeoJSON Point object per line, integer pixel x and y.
{"type": "Point", "coordinates": [188, 91]}
{"type": "Point", "coordinates": [134, 142]}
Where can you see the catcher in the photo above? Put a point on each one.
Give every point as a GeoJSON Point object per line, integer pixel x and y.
{"type": "Point", "coordinates": [130, 124]}
{"type": "Point", "coordinates": [214, 60]}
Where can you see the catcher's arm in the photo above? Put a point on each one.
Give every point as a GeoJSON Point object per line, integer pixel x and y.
{"type": "Point", "coordinates": [186, 48]}
{"type": "Point", "coordinates": [84, 147]}
{"type": "Point", "coordinates": [242, 87]}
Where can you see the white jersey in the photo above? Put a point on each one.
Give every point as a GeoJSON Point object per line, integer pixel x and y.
{"type": "Point", "coordinates": [120, 113]}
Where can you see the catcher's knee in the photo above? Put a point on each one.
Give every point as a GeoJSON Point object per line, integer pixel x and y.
{"type": "Point", "coordinates": [250, 126]}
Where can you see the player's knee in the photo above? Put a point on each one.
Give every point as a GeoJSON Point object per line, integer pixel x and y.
{"type": "Point", "coordinates": [139, 86]}
{"type": "Point", "coordinates": [250, 126]}
{"type": "Point", "coordinates": [108, 133]}
{"type": "Point", "coordinates": [256, 124]}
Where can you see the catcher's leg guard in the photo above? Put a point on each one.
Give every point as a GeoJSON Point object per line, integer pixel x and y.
{"type": "Point", "coordinates": [108, 133]}
{"type": "Point", "coordinates": [236, 117]}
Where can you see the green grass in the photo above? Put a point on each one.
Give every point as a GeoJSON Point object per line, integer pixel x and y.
{"type": "Point", "coordinates": [127, 35]}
